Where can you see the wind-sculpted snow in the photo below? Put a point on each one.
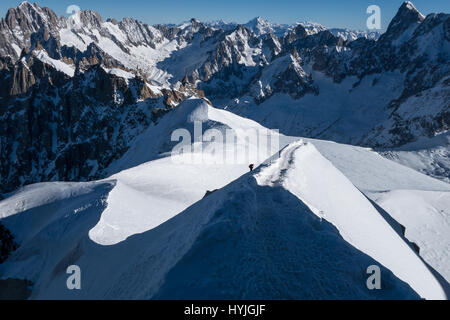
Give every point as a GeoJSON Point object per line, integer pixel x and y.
{"type": "Point", "coordinates": [264, 243]}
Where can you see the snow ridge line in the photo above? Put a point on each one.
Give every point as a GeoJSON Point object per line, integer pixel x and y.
{"type": "Point", "coordinates": [274, 174]}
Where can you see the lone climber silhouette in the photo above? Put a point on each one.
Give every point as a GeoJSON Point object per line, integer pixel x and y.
{"type": "Point", "coordinates": [251, 166]}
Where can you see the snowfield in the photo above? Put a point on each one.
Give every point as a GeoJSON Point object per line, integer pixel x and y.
{"type": "Point", "coordinates": [305, 224]}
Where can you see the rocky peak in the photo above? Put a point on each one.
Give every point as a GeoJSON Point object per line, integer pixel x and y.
{"type": "Point", "coordinates": [195, 23]}
{"type": "Point", "coordinates": [189, 30]}
{"type": "Point", "coordinates": [299, 32]}
{"type": "Point", "coordinates": [408, 11]}
{"type": "Point", "coordinates": [259, 26]}
{"type": "Point", "coordinates": [407, 17]}
{"type": "Point", "coordinates": [113, 21]}
{"type": "Point", "coordinates": [271, 46]}
{"type": "Point", "coordinates": [29, 18]}
{"type": "Point", "coordinates": [85, 18]}
{"type": "Point", "coordinates": [21, 23]}
{"type": "Point", "coordinates": [284, 75]}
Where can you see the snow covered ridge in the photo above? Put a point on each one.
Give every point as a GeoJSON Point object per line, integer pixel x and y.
{"type": "Point", "coordinates": [299, 226]}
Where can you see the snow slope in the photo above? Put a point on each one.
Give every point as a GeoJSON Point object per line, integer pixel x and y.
{"type": "Point", "coordinates": [57, 64]}
{"type": "Point", "coordinates": [426, 218]}
{"type": "Point", "coordinates": [369, 171]}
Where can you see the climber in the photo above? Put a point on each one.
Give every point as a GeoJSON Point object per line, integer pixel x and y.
{"type": "Point", "coordinates": [251, 166]}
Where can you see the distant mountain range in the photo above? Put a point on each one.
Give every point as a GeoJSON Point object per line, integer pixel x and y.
{"type": "Point", "coordinates": [87, 86]}
{"type": "Point", "coordinates": [261, 26]}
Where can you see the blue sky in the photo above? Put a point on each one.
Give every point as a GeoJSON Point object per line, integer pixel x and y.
{"type": "Point", "coordinates": [331, 13]}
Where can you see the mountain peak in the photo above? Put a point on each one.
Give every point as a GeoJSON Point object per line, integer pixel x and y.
{"type": "Point", "coordinates": [408, 5]}
{"type": "Point", "coordinates": [24, 7]}
{"type": "Point", "coordinates": [85, 18]}
{"type": "Point", "coordinates": [25, 4]}
{"type": "Point", "coordinates": [408, 12]}
{"type": "Point", "coordinates": [29, 17]}
{"type": "Point", "coordinates": [258, 21]}
{"type": "Point", "coordinates": [407, 16]}
{"type": "Point", "coordinates": [259, 26]}
{"type": "Point", "coordinates": [27, 7]}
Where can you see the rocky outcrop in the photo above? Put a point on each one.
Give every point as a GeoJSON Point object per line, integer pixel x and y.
{"type": "Point", "coordinates": [7, 243]}
{"type": "Point", "coordinates": [284, 75]}
{"type": "Point", "coordinates": [15, 289]}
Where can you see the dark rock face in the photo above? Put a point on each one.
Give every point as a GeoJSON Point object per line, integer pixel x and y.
{"type": "Point", "coordinates": [62, 128]}
{"type": "Point", "coordinates": [7, 243]}
{"type": "Point", "coordinates": [15, 289]}
{"type": "Point", "coordinates": [285, 76]}
{"type": "Point", "coordinates": [208, 193]}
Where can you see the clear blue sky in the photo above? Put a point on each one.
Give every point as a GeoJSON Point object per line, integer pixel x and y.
{"type": "Point", "coordinates": [331, 13]}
